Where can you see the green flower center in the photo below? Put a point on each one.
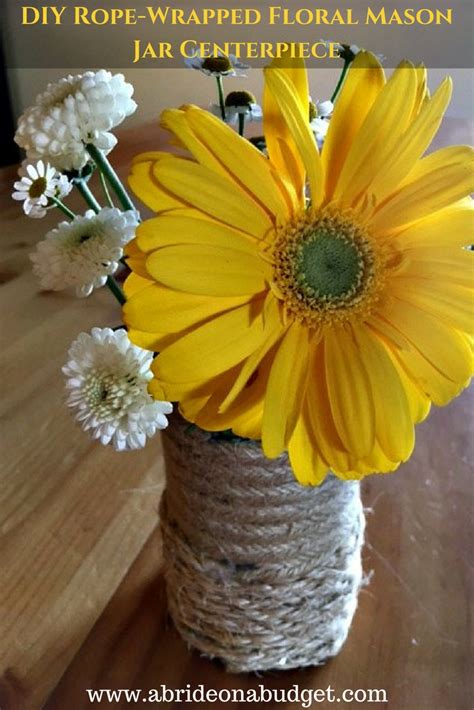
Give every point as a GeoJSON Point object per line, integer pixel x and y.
{"type": "Point", "coordinates": [219, 65]}
{"type": "Point", "coordinates": [38, 187]}
{"type": "Point", "coordinates": [329, 266]}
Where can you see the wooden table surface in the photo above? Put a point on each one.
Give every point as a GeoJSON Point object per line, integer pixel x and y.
{"type": "Point", "coordinates": [82, 597]}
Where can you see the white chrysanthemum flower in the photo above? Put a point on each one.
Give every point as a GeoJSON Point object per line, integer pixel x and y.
{"type": "Point", "coordinates": [38, 184]}
{"type": "Point", "coordinates": [107, 379]}
{"type": "Point", "coordinates": [74, 112]}
{"type": "Point", "coordinates": [221, 65]}
{"type": "Point", "coordinates": [319, 116]}
{"type": "Point", "coordinates": [84, 252]}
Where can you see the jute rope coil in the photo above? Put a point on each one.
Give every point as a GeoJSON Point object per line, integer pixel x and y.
{"type": "Point", "coordinates": [261, 572]}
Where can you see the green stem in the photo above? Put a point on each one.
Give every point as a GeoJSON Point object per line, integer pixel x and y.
{"type": "Point", "coordinates": [60, 205]}
{"type": "Point", "coordinates": [105, 188]}
{"type": "Point", "coordinates": [346, 66]}
{"type": "Point", "coordinates": [220, 91]}
{"type": "Point", "coordinates": [113, 179]}
{"type": "Point", "coordinates": [241, 124]}
{"type": "Point", "coordinates": [89, 198]}
{"type": "Point", "coordinates": [116, 290]}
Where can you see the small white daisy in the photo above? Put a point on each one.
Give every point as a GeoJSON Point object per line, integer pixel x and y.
{"type": "Point", "coordinates": [252, 113]}
{"type": "Point", "coordinates": [107, 378]}
{"type": "Point", "coordinates": [84, 252]}
{"type": "Point", "coordinates": [221, 65]}
{"type": "Point", "coordinates": [319, 116]}
{"type": "Point", "coordinates": [38, 184]}
{"type": "Point", "coordinates": [239, 102]}
{"type": "Point", "coordinates": [74, 112]}
{"type": "Point", "coordinates": [230, 114]}
{"type": "Point", "coordinates": [348, 52]}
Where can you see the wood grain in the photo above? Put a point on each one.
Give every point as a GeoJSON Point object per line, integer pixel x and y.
{"type": "Point", "coordinates": [81, 594]}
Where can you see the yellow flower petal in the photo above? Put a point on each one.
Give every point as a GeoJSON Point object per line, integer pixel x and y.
{"type": "Point", "coordinates": [274, 330]}
{"type": "Point", "coordinates": [195, 397]}
{"type": "Point", "coordinates": [450, 155]}
{"type": "Point", "coordinates": [349, 390]}
{"type": "Point", "coordinates": [439, 360]}
{"type": "Point", "coordinates": [194, 394]}
{"type": "Point", "coordinates": [136, 259]}
{"type": "Point", "coordinates": [387, 330]}
{"type": "Point", "coordinates": [422, 93]}
{"type": "Point", "coordinates": [326, 438]}
{"type": "Point", "coordinates": [249, 426]}
{"type": "Point", "coordinates": [178, 228]}
{"type": "Point", "coordinates": [292, 186]}
{"type": "Point", "coordinates": [160, 309]}
{"type": "Point", "coordinates": [393, 424]}
{"type": "Point", "coordinates": [279, 141]}
{"type": "Point", "coordinates": [363, 84]}
{"type": "Point", "coordinates": [150, 156]}
{"type": "Point", "coordinates": [214, 347]}
{"type": "Point", "coordinates": [418, 402]}
{"type": "Point", "coordinates": [449, 228]}
{"type": "Point", "coordinates": [242, 161]}
{"type": "Point", "coordinates": [147, 189]}
{"type": "Point", "coordinates": [306, 462]}
{"type": "Point", "coordinates": [452, 304]}
{"type": "Point", "coordinates": [436, 182]}
{"type": "Point", "coordinates": [175, 120]}
{"type": "Point", "coordinates": [320, 418]}
{"type": "Point", "coordinates": [200, 403]}
{"type": "Point", "coordinates": [413, 143]}
{"type": "Point", "coordinates": [443, 265]}
{"type": "Point", "coordinates": [212, 194]}
{"type": "Point", "coordinates": [375, 462]}
{"type": "Point", "coordinates": [208, 270]}
{"type": "Point", "coordinates": [135, 283]}
{"type": "Point", "coordinates": [428, 378]}
{"type": "Point", "coordinates": [297, 121]}
{"type": "Point", "coordinates": [246, 411]}
{"type": "Point", "coordinates": [378, 136]}
{"type": "Point", "coordinates": [285, 390]}
{"type": "Point", "coordinates": [151, 341]}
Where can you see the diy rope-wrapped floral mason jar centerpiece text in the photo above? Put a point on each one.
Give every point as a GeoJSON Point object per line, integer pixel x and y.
{"type": "Point", "coordinates": [304, 296]}
{"type": "Point", "coordinates": [169, 34]}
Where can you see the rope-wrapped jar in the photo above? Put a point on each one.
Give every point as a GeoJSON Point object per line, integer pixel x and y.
{"type": "Point", "coordinates": [261, 572]}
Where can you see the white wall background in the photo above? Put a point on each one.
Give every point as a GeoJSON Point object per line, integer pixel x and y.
{"type": "Point", "coordinates": [156, 89]}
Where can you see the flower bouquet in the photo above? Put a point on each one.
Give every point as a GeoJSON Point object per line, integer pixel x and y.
{"type": "Point", "coordinates": [303, 296]}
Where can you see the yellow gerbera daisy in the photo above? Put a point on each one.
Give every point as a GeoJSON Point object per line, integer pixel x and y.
{"type": "Point", "coordinates": [319, 302]}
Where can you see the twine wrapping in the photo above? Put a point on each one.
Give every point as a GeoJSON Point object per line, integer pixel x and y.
{"type": "Point", "coordinates": [261, 572]}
